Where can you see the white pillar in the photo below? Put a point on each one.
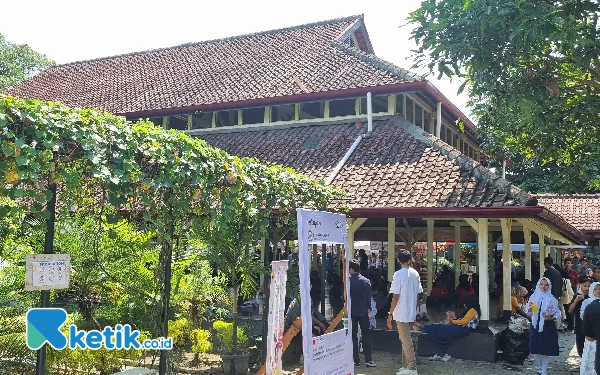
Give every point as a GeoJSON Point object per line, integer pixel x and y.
{"type": "Point", "coordinates": [482, 270]}
{"type": "Point", "coordinates": [527, 235]}
{"type": "Point", "coordinates": [438, 125]}
{"type": "Point", "coordinates": [506, 259]}
{"type": "Point", "coordinates": [350, 238]}
{"type": "Point", "coordinates": [430, 228]}
{"type": "Point", "coordinates": [391, 255]}
{"type": "Point", "coordinates": [456, 253]}
{"type": "Point", "coordinates": [542, 254]}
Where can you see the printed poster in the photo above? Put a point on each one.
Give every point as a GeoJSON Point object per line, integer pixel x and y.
{"type": "Point", "coordinates": [276, 317]}
{"type": "Point", "coordinates": [329, 354]}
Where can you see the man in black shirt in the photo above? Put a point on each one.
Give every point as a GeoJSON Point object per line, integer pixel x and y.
{"type": "Point", "coordinates": [591, 327]}
{"type": "Point", "coordinates": [360, 299]}
{"type": "Point", "coordinates": [554, 276]}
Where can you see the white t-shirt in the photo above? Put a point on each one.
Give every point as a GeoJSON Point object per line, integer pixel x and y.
{"type": "Point", "coordinates": [407, 284]}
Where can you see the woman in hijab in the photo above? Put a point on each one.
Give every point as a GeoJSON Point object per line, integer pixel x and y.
{"type": "Point", "coordinates": [443, 334]}
{"type": "Point", "coordinates": [543, 337]}
{"type": "Point", "coordinates": [588, 358]}
{"type": "Point", "coordinates": [464, 289]}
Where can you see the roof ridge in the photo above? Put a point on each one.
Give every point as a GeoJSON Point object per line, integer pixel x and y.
{"type": "Point", "coordinates": [463, 161]}
{"type": "Point", "coordinates": [378, 62]}
{"type": "Point", "coordinates": [235, 37]}
{"type": "Point", "coordinates": [567, 195]}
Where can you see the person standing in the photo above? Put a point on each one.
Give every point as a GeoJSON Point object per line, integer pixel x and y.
{"type": "Point", "coordinates": [575, 310]}
{"type": "Point", "coordinates": [585, 269]}
{"type": "Point", "coordinates": [360, 299]}
{"type": "Point", "coordinates": [543, 336]}
{"type": "Point", "coordinates": [556, 281]}
{"type": "Point", "coordinates": [590, 313]}
{"type": "Point", "coordinates": [406, 286]}
{"type": "Point", "coordinates": [574, 278]}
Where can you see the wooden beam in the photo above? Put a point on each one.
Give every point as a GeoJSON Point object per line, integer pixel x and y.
{"type": "Point", "coordinates": [391, 254]}
{"type": "Point", "coordinates": [457, 253]}
{"type": "Point", "coordinates": [542, 253]}
{"type": "Point", "coordinates": [190, 121]}
{"type": "Point", "coordinates": [473, 223]}
{"type": "Point", "coordinates": [506, 260]}
{"type": "Point", "coordinates": [482, 269]}
{"type": "Point", "coordinates": [326, 109]}
{"type": "Point", "coordinates": [391, 104]}
{"type": "Point", "coordinates": [404, 106]}
{"type": "Point", "coordinates": [430, 230]}
{"type": "Point", "coordinates": [357, 223]}
{"type": "Point", "coordinates": [350, 237]}
{"type": "Point", "coordinates": [527, 236]}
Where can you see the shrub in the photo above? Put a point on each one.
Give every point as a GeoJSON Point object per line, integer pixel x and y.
{"type": "Point", "coordinates": [225, 336]}
{"type": "Point", "coordinates": [201, 341]}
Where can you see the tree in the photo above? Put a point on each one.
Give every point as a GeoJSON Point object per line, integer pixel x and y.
{"type": "Point", "coordinates": [532, 69]}
{"type": "Point", "coordinates": [19, 61]}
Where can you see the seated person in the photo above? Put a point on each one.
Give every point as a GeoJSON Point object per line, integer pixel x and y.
{"type": "Point", "coordinates": [439, 294]}
{"type": "Point", "coordinates": [383, 302]}
{"type": "Point", "coordinates": [464, 289]}
{"type": "Point", "coordinates": [443, 334]}
{"type": "Point", "coordinates": [515, 307]}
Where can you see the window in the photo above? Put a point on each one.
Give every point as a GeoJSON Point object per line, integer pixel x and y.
{"type": "Point", "coordinates": [379, 104]}
{"type": "Point", "coordinates": [178, 122]}
{"type": "Point", "coordinates": [158, 121]}
{"type": "Point", "coordinates": [344, 107]}
{"type": "Point", "coordinates": [253, 115]}
{"type": "Point", "coordinates": [418, 115]}
{"type": "Point", "coordinates": [202, 120]}
{"type": "Point", "coordinates": [227, 118]}
{"type": "Point", "coordinates": [399, 103]}
{"type": "Point", "coordinates": [312, 110]}
{"type": "Point", "coordinates": [285, 112]}
{"type": "Point", "coordinates": [409, 109]}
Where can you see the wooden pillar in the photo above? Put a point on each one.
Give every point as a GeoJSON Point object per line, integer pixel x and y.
{"type": "Point", "coordinates": [404, 105]}
{"type": "Point", "coordinates": [438, 125]}
{"type": "Point", "coordinates": [430, 229]}
{"type": "Point", "coordinates": [506, 259]}
{"type": "Point", "coordinates": [542, 254]}
{"type": "Point", "coordinates": [391, 255]}
{"type": "Point", "coordinates": [457, 253]}
{"type": "Point", "coordinates": [527, 235]}
{"type": "Point", "coordinates": [482, 270]}
{"type": "Point", "coordinates": [350, 238]}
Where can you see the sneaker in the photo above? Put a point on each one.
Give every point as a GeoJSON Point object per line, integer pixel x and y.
{"type": "Point", "coordinates": [435, 357]}
{"type": "Point", "coordinates": [370, 364]}
{"type": "Point", "coordinates": [446, 358]}
{"type": "Point", "coordinates": [356, 364]}
{"type": "Point", "coordinates": [406, 371]}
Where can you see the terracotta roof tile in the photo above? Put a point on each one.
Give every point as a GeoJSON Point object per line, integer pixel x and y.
{"type": "Point", "coordinates": [399, 165]}
{"type": "Point", "coordinates": [580, 210]}
{"type": "Point", "coordinates": [262, 65]}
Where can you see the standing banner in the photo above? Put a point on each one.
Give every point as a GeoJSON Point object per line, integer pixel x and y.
{"type": "Point", "coordinates": [276, 316]}
{"type": "Point", "coordinates": [331, 353]}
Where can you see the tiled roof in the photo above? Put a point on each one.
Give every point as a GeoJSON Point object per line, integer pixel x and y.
{"type": "Point", "coordinates": [308, 58]}
{"type": "Point", "coordinates": [399, 165]}
{"type": "Point", "coordinates": [580, 210]}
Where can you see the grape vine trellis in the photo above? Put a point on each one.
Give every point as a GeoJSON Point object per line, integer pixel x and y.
{"type": "Point", "coordinates": [163, 177]}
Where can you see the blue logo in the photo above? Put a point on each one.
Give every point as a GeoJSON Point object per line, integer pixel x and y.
{"type": "Point", "coordinates": [44, 326]}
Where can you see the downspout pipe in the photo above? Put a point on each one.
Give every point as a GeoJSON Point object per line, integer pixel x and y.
{"type": "Point", "coordinates": [357, 141]}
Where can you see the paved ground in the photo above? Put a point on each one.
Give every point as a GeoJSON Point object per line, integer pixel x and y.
{"type": "Point", "coordinates": [387, 364]}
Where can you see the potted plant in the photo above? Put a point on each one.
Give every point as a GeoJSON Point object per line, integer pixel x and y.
{"type": "Point", "coordinates": [234, 355]}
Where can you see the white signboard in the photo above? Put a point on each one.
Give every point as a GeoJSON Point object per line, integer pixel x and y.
{"type": "Point", "coordinates": [47, 271]}
{"type": "Point", "coordinates": [329, 354]}
{"type": "Point", "coordinates": [276, 317]}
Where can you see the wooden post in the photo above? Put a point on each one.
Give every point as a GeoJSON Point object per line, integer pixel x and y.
{"type": "Point", "coordinates": [527, 235]}
{"type": "Point", "coordinates": [350, 237]}
{"type": "Point", "coordinates": [391, 255]}
{"type": "Point", "coordinates": [506, 260]}
{"type": "Point", "coordinates": [430, 229]}
{"type": "Point", "coordinates": [438, 125]}
{"type": "Point", "coordinates": [542, 253]}
{"type": "Point", "coordinates": [457, 253]}
{"type": "Point", "coordinates": [482, 270]}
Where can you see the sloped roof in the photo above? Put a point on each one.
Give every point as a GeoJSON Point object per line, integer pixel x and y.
{"type": "Point", "coordinates": [303, 59]}
{"type": "Point", "coordinates": [581, 210]}
{"type": "Point", "coordinates": [399, 165]}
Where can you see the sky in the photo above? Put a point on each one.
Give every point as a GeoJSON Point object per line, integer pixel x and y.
{"type": "Point", "coordinates": [75, 30]}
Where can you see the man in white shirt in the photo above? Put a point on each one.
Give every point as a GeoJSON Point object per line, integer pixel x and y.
{"type": "Point", "coordinates": [406, 286]}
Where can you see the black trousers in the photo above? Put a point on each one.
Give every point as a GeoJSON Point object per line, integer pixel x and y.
{"type": "Point", "coordinates": [579, 341]}
{"type": "Point", "coordinates": [569, 318]}
{"type": "Point", "coordinates": [363, 321]}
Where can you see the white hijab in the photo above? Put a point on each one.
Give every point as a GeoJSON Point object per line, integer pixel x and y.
{"type": "Point", "coordinates": [592, 298]}
{"type": "Point", "coordinates": [543, 300]}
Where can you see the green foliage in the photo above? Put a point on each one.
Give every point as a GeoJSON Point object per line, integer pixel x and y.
{"type": "Point", "coordinates": [178, 330]}
{"type": "Point", "coordinates": [225, 336]}
{"type": "Point", "coordinates": [12, 333]}
{"type": "Point", "coordinates": [18, 62]}
{"type": "Point", "coordinates": [532, 69]}
{"type": "Point", "coordinates": [201, 341]}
